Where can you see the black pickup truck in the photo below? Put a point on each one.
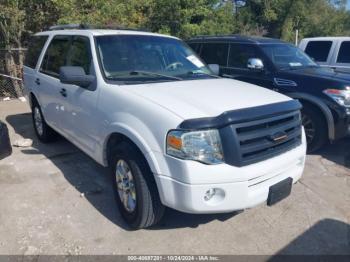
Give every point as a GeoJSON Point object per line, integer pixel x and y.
{"type": "Point", "coordinates": [5, 145]}
{"type": "Point", "coordinates": [277, 65]}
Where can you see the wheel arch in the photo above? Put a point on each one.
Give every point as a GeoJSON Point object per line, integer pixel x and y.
{"type": "Point", "coordinates": [123, 134]}
{"type": "Point", "coordinates": [32, 99]}
{"type": "Point", "coordinates": [320, 105]}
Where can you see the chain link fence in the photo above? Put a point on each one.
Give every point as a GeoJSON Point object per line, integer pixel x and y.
{"type": "Point", "coordinates": [11, 73]}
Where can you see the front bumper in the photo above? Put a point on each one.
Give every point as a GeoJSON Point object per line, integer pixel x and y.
{"type": "Point", "coordinates": [240, 193]}
{"type": "Point", "coordinates": [342, 128]}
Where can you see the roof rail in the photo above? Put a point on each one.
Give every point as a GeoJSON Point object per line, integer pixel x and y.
{"type": "Point", "coordinates": [213, 36]}
{"type": "Point", "coordinates": [69, 26]}
{"type": "Point", "coordinates": [85, 26]}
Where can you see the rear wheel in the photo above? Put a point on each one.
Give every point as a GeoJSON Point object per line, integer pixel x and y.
{"type": "Point", "coordinates": [45, 133]}
{"type": "Point", "coordinates": [315, 128]}
{"type": "Point", "coordinates": [134, 187]}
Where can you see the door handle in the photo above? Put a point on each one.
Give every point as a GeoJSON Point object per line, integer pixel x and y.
{"type": "Point", "coordinates": [37, 81]}
{"type": "Point", "coordinates": [63, 92]}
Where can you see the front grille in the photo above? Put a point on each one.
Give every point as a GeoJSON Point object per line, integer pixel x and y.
{"type": "Point", "coordinates": [262, 139]}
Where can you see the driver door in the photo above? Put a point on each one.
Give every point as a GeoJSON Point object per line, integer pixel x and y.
{"type": "Point", "coordinates": [82, 123]}
{"type": "Point", "coordinates": [237, 66]}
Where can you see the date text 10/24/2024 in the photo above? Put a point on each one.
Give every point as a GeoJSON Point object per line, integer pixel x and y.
{"type": "Point", "coordinates": [173, 258]}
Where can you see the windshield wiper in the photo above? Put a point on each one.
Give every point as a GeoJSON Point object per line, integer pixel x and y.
{"type": "Point", "coordinates": [201, 73]}
{"type": "Point", "coordinates": [137, 72]}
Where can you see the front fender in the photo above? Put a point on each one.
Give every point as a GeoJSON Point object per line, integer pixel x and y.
{"type": "Point", "coordinates": [139, 133]}
{"type": "Point", "coordinates": [322, 106]}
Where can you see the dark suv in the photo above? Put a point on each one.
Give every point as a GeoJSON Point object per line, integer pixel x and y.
{"type": "Point", "coordinates": [280, 66]}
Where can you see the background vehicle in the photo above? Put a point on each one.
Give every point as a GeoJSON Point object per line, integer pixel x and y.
{"type": "Point", "coordinates": [5, 145]}
{"type": "Point", "coordinates": [282, 67]}
{"type": "Point", "coordinates": [333, 52]}
{"type": "Point", "coordinates": [172, 133]}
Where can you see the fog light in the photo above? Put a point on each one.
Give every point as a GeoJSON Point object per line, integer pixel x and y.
{"type": "Point", "coordinates": [214, 196]}
{"type": "Point", "coordinates": [209, 194]}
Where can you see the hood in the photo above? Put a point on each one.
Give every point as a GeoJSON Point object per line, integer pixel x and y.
{"type": "Point", "coordinates": [321, 72]}
{"type": "Point", "coordinates": [206, 98]}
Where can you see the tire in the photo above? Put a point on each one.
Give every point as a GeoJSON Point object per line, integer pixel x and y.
{"type": "Point", "coordinates": [45, 133]}
{"type": "Point", "coordinates": [5, 144]}
{"type": "Point", "coordinates": [315, 128]}
{"type": "Point", "coordinates": [143, 208]}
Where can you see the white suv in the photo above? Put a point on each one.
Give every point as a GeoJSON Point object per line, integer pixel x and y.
{"type": "Point", "coordinates": [172, 133]}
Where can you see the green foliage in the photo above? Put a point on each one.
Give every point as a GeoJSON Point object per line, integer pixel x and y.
{"type": "Point", "coordinates": [182, 18]}
{"type": "Point", "coordinates": [280, 18]}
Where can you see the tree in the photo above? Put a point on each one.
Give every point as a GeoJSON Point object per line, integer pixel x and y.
{"type": "Point", "coordinates": [11, 30]}
{"type": "Point", "coordinates": [186, 18]}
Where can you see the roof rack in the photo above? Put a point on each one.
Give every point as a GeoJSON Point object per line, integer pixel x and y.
{"type": "Point", "coordinates": [69, 26]}
{"type": "Point", "coordinates": [85, 26]}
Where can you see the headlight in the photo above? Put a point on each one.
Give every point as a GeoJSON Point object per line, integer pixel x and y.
{"type": "Point", "coordinates": [342, 97]}
{"type": "Point", "coordinates": [203, 146]}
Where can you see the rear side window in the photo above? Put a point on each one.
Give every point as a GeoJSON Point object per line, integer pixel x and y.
{"type": "Point", "coordinates": [215, 53]}
{"type": "Point", "coordinates": [195, 47]}
{"type": "Point", "coordinates": [344, 53]}
{"type": "Point", "coordinates": [240, 53]}
{"type": "Point", "coordinates": [319, 50]}
{"type": "Point", "coordinates": [36, 44]}
{"type": "Point", "coordinates": [80, 53]}
{"type": "Point", "coordinates": [55, 55]}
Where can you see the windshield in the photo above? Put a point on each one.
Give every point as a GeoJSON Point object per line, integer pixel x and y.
{"type": "Point", "coordinates": [132, 58]}
{"type": "Point", "coordinates": [285, 56]}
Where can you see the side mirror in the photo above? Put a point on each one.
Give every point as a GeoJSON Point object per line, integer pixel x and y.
{"type": "Point", "coordinates": [75, 75]}
{"type": "Point", "coordinates": [214, 68]}
{"type": "Point", "coordinates": [255, 64]}
{"type": "Point", "coordinates": [5, 145]}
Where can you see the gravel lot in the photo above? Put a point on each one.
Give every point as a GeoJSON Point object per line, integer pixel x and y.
{"type": "Point", "coordinates": [56, 200]}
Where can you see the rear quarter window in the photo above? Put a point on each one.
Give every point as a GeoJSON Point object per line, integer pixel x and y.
{"type": "Point", "coordinates": [318, 50]}
{"type": "Point", "coordinates": [344, 53]}
{"type": "Point", "coordinates": [36, 44]}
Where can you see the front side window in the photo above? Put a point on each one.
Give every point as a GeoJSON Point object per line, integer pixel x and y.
{"type": "Point", "coordinates": [285, 56]}
{"type": "Point", "coordinates": [319, 50]}
{"type": "Point", "coordinates": [215, 53]}
{"type": "Point", "coordinates": [344, 53]}
{"type": "Point", "coordinates": [240, 54]}
{"type": "Point", "coordinates": [80, 53]}
{"type": "Point", "coordinates": [55, 55]}
{"type": "Point", "coordinates": [36, 44]}
{"type": "Point", "coordinates": [132, 58]}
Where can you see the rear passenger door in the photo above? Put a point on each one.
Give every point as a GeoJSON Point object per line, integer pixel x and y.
{"type": "Point", "coordinates": [35, 48]}
{"type": "Point", "coordinates": [52, 100]}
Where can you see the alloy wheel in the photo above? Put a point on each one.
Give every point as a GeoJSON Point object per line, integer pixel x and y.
{"type": "Point", "coordinates": [38, 121]}
{"type": "Point", "coordinates": [126, 185]}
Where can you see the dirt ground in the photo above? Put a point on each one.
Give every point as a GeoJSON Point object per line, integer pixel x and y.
{"type": "Point", "coordinates": [56, 200]}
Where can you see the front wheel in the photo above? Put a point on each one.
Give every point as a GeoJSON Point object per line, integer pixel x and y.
{"type": "Point", "coordinates": [134, 187]}
{"type": "Point", "coordinates": [315, 128]}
